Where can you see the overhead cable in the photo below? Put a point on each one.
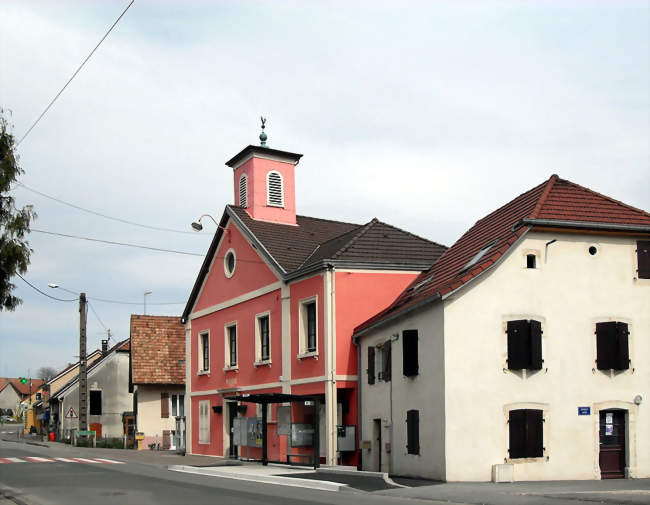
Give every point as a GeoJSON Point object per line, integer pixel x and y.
{"type": "Point", "coordinates": [45, 294]}
{"type": "Point", "coordinates": [74, 75]}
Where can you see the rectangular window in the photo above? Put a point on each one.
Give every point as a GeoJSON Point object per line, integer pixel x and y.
{"type": "Point", "coordinates": [612, 346]}
{"type": "Point", "coordinates": [95, 398]}
{"type": "Point", "coordinates": [311, 326]}
{"type": "Point", "coordinates": [232, 345]}
{"type": "Point", "coordinates": [410, 352]}
{"type": "Point", "coordinates": [164, 405]}
{"type": "Point", "coordinates": [643, 259]}
{"type": "Point", "coordinates": [371, 365]}
{"type": "Point", "coordinates": [174, 405]}
{"type": "Point", "coordinates": [386, 358]}
{"type": "Point", "coordinates": [524, 345]}
{"type": "Point", "coordinates": [526, 433]}
{"type": "Point", "coordinates": [413, 431]}
{"type": "Point", "coordinates": [205, 352]}
{"type": "Point", "coordinates": [308, 326]}
{"type": "Point", "coordinates": [264, 338]}
{"type": "Point", "coordinates": [204, 422]}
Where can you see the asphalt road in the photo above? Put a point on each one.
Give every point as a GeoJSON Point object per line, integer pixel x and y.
{"type": "Point", "coordinates": [9, 430]}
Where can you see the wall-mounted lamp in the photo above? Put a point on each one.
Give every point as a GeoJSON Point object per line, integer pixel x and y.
{"type": "Point", "coordinates": [638, 399]}
{"type": "Point", "coordinates": [197, 226]}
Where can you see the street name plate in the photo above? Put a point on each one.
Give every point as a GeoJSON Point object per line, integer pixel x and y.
{"type": "Point", "coordinates": [584, 411]}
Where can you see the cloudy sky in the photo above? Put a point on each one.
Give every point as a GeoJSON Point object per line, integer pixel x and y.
{"type": "Point", "coordinates": [426, 115]}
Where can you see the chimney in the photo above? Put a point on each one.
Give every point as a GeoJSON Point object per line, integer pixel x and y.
{"type": "Point", "coordinates": [264, 182]}
{"type": "Point", "coordinates": [104, 347]}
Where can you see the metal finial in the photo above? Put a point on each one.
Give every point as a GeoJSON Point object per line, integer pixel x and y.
{"type": "Point", "coordinates": [263, 135]}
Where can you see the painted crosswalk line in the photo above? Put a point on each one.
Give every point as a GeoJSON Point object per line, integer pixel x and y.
{"type": "Point", "coordinates": [38, 459]}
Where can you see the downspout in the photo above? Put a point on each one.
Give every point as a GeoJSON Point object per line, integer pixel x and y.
{"type": "Point", "coordinates": [393, 338]}
{"type": "Point", "coordinates": [357, 344]}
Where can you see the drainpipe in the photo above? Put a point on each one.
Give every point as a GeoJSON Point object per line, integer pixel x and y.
{"type": "Point", "coordinates": [357, 344]}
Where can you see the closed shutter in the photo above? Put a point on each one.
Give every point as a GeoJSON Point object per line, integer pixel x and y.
{"type": "Point", "coordinates": [606, 350]}
{"type": "Point", "coordinates": [518, 344]}
{"type": "Point", "coordinates": [535, 345]}
{"type": "Point", "coordinates": [534, 433]}
{"type": "Point", "coordinates": [387, 364]}
{"type": "Point", "coordinates": [243, 191]}
{"type": "Point", "coordinates": [164, 405]}
{"type": "Point", "coordinates": [643, 259]}
{"type": "Point", "coordinates": [371, 365]}
{"type": "Point", "coordinates": [167, 440]}
{"type": "Point", "coordinates": [413, 431]}
{"type": "Point", "coordinates": [410, 352]}
{"type": "Point", "coordinates": [517, 433]}
{"type": "Point", "coordinates": [275, 191]}
{"type": "Point", "coordinates": [622, 351]}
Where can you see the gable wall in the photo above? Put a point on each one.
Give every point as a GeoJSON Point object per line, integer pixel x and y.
{"type": "Point", "coordinates": [9, 398]}
{"type": "Point", "coordinates": [569, 292]}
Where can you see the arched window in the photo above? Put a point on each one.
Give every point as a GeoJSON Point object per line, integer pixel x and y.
{"type": "Point", "coordinates": [274, 189]}
{"type": "Point", "coordinates": [243, 188]}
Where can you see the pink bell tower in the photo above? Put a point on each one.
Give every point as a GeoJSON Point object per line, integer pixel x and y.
{"type": "Point", "coordinates": [264, 182]}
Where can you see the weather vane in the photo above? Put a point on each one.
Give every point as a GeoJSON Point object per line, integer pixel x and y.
{"type": "Point", "coordinates": [263, 136]}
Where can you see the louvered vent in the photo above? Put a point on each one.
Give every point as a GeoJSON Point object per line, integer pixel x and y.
{"type": "Point", "coordinates": [242, 191]}
{"type": "Point", "coordinates": [275, 191]}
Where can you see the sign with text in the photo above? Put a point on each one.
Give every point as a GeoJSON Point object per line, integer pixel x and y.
{"type": "Point", "coordinates": [584, 411]}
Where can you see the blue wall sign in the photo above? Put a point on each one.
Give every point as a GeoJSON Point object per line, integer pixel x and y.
{"type": "Point", "coordinates": [584, 411]}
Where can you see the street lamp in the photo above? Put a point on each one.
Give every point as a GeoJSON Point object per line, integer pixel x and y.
{"type": "Point", "coordinates": [197, 226]}
{"type": "Point", "coordinates": [83, 363]}
{"type": "Point", "coordinates": [145, 301]}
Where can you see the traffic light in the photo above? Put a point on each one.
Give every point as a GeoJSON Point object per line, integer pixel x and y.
{"type": "Point", "coordinates": [23, 380]}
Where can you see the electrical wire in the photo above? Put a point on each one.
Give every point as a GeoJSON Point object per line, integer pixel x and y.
{"type": "Point", "coordinates": [116, 243]}
{"type": "Point", "coordinates": [75, 74]}
{"type": "Point", "coordinates": [118, 301]}
{"type": "Point", "coordinates": [97, 316]}
{"type": "Point", "coordinates": [43, 293]}
{"type": "Point", "coordinates": [105, 216]}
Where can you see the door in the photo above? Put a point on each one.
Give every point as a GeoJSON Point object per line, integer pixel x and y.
{"type": "Point", "coordinates": [376, 432]}
{"type": "Point", "coordinates": [612, 444]}
{"type": "Point", "coordinates": [232, 414]}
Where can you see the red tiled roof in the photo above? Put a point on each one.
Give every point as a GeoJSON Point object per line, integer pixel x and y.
{"type": "Point", "coordinates": [23, 389]}
{"type": "Point", "coordinates": [157, 350]}
{"type": "Point", "coordinates": [554, 200]}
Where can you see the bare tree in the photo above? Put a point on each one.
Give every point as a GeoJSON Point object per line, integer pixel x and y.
{"type": "Point", "coordinates": [45, 372]}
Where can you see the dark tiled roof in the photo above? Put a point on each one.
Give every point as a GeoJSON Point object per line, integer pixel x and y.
{"type": "Point", "coordinates": [157, 350]}
{"type": "Point", "coordinates": [553, 200]}
{"type": "Point", "coordinates": [314, 242]}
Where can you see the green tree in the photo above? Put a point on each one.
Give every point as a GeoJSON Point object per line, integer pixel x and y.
{"type": "Point", "coordinates": [14, 222]}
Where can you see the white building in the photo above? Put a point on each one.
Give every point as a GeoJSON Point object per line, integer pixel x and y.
{"type": "Point", "coordinates": [523, 353]}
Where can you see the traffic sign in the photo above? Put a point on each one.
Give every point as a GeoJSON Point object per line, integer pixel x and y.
{"type": "Point", "coordinates": [71, 414]}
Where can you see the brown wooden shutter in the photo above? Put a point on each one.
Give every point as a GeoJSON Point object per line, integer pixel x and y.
{"type": "Point", "coordinates": [164, 405]}
{"type": "Point", "coordinates": [643, 259]}
{"type": "Point", "coordinates": [517, 433]}
{"type": "Point", "coordinates": [413, 431]}
{"type": "Point", "coordinates": [535, 345]}
{"type": "Point", "coordinates": [410, 352]}
{"type": "Point", "coordinates": [622, 361]}
{"type": "Point", "coordinates": [167, 440]}
{"type": "Point", "coordinates": [371, 365]}
{"type": "Point", "coordinates": [606, 345]}
{"type": "Point", "coordinates": [534, 433]}
{"type": "Point", "coordinates": [518, 344]}
{"type": "Point", "coordinates": [387, 364]}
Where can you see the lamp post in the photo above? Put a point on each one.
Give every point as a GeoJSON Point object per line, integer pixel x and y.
{"type": "Point", "coordinates": [197, 226]}
{"type": "Point", "coordinates": [83, 363]}
{"type": "Point", "coordinates": [145, 301]}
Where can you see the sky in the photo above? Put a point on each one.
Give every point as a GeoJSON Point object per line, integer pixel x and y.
{"type": "Point", "coordinates": [426, 115]}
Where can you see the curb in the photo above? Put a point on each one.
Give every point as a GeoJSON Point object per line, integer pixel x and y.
{"type": "Point", "coordinates": [321, 485]}
{"type": "Point", "coordinates": [353, 471]}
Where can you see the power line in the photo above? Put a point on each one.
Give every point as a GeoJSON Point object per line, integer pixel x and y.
{"type": "Point", "coordinates": [74, 75]}
{"type": "Point", "coordinates": [119, 301]}
{"type": "Point", "coordinates": [126, 221]}
{"type": "Point", "coordinates": [43, 293]}
{"type": "Point", "coordinates": [97, 316]}
{"type": "Point", "coordinates": [116, 243]}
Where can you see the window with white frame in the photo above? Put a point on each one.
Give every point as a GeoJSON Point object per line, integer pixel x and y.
{"type": "Point", "coordinates": [263, 337]}
{"type": "Point", "coordinates": [274, 189]}
{"type": "Point", "coordinates": [204, 351]}
{"type": "Point", "coordinates": [204, 422]}
{"type": "Point", "coordinates": [243, 189]}
{"type": "Point", "coordinates": [178, 405]}
{"type": "Point", "coordinates": [308, 325]}
{"type": "Point", "coordinates": [231, 345]}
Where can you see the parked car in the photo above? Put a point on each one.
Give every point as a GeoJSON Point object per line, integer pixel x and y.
{"type": "Point", "coordinates": [7, 419]}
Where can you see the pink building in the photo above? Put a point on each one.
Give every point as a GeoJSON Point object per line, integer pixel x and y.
{"type": "Point", "coordinates": [273, 310]}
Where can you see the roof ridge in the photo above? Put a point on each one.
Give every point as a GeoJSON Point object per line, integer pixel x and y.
{"type": "Point", "coordinates": [356, 237]}
{"type": "Point", "coordinates": [542, 199]}
{"type": "Point", "coordinates": [412, 234]}
{"type": "Point", "coordinates": [613, 200]}
{"type": "Point", "coordinates": [328, 220]}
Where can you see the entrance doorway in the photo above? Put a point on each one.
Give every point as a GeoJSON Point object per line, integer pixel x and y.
{"type": "Point", "coordinates": [376, 436]}
{"type": "Point", "coordinates": [612, 444]}
{"type": "Point", "coordinates": [232, 414]}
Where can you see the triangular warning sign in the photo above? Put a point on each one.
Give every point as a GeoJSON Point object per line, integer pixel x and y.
{"type": "Point", "coordinates": [70, 414]}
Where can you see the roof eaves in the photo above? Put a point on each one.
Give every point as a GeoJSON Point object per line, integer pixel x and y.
{"type": "Point", "coordinates": [557, 223]}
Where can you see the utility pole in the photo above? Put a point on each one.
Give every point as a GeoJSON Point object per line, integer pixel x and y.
{"type": "Point", "coordinates": [83, 375]}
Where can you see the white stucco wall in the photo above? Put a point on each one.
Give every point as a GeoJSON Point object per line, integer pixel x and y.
{"type": "Point", "coordinates": [569, 292]}
{"type": "Point", "coordinates": [149, 421]}
{"type": "Point", "coordinates": [9, 399]}
{"type": "Point", "coordinates": [424, 392]}
{"type": "Point", "coordinates": [112, 378]}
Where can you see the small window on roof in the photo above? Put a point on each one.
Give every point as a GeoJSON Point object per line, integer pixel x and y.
{"type": "Point", "coordinates": [477, 257]}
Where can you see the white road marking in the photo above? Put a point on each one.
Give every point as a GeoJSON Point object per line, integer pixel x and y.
{"type": "Point", "coordinates": [66, 460]}
{"type": "Point", "coordinates": [16, 460]}
{"type": "Point", "coordinates": [111, 461]}
{"type": "Point", "coordinates": [84, 460]}
{"type": "Point", "coordinates": [36, 459]}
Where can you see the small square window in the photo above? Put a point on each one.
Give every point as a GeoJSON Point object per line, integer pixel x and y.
{"type": "Point", "coordinates": [95, 398]}
{"type": "Point", "coordinates": [531, 261]}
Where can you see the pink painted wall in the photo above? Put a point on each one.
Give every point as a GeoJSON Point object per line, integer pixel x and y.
{"type": "Point", "coordinates": [215, 447]}
{"type": "Point", "coordinates": [256, 170]}
{"type": "Point", "coordinates": [307, 367]}
{"type": "Point", "coordinates": [251, 272]}
{"type": "Point", "coordinates": [358, 297]}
